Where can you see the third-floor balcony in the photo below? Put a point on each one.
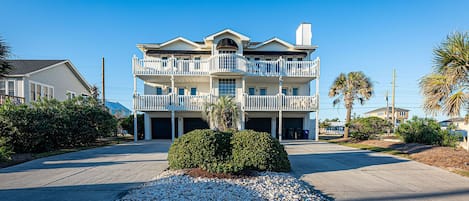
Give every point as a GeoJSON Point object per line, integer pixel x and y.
{"type": "Point", "coordinates": [225, 64]}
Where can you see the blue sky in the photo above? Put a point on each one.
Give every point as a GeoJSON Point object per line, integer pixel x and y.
{"type": "Point", "coordinates": [361, 35]}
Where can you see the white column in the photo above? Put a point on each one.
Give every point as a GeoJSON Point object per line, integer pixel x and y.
{"type": "Point", "coordinates": [180, 126]}
{"type": "Point", "coordinates": [243, 99]}
{"type": "Point", "coordinates": [280, 103]}
{"type": "Point", "coordinates": [135, 110]}
{"type": "Point", "coordinates": [173, 97]}
{"type": "Point", "coordinates": [147, 124]}
{"type": "Point", "coordinates": [316, 126]}
{"type": "Point", "coordinates": [273, 127]}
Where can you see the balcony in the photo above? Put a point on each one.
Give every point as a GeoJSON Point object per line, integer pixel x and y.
{"type": "Point", "coordinates": [13, 99]}
{"type": "Point", "coordinates": [225, 64]}
{"type": "Point", "coordinates": [251, 103]}
{"type": "Point", "coordinates": [288, 103]}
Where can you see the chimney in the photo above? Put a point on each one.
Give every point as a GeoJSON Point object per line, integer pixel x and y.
{"type": "Point", "coordinates": [303, 34]}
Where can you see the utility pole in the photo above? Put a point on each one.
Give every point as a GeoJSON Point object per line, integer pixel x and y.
{"type": "Point", "coordinates": [393, 99]}
{"type": "Point", "coordinates": [104, 94]}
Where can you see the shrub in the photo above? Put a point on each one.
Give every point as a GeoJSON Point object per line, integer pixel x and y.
{"type": "Point", "coordinates": [128, 124]}
{"type": "Point", "coordinates": [426, 131]}
{"type": "Point", "coordinates": [219, 152]}
{"type": "Point", "coordinates": [198, 148]}
{"type": "Point", "coordinates": [50, 125]}
{"type": "Point", "coordinates": [366, 128]}
{"type": "Point", "coordinates": [6, 130]}
{"type": "Point", "coordinates": [259, 151]}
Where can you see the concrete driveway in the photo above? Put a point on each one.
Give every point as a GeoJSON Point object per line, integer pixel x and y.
{"type": "Point", "coordinates": [96, 174]}
{"type": "Point", "coordinates": [350, 174]}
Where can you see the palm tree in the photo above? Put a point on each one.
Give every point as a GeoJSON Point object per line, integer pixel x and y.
{"type": "Point", "coordinates": [446, 88]}
{"type": "Point", "coordinates": [4, 53]}
{"type": "Point", "coordinates": [351, 87]}
{"type": "Point", "coordinates": [224, 114]}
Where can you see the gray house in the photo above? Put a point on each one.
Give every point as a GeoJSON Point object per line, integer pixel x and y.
{"type": "Point", "coordinates": [30, 80]}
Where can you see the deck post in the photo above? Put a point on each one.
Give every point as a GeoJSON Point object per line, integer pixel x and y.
{"type": "Point", "coordinates": [316, 126]}
{"type": "Point", "coordinates": [280, 107]}
{"type": "Point", "coordinates": [243, 99]}
{"type": "Point", "coordinates": [173, 97]}
{"type": "Point", "coordinates": [135, 110]}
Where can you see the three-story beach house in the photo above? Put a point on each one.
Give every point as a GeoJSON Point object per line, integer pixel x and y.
{"type": "Point", "coordinates": [272, 81]}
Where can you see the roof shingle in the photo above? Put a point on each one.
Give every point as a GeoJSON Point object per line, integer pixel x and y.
{"type": "Point", "coordinates": [20, 67]}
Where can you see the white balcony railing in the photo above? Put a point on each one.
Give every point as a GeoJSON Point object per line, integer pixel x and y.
{"type": "Point", "coordinates": [251, 102]}
{"type": "Point", "coordinates": [261, 103]}
{"type": "Point", "coordinates": [221, 63]}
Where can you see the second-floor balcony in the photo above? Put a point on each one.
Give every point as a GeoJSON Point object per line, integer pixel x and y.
{"type": "Point", "coordinates": [249, 102]}
{"type": "Point", "coordinates": [225, 64]}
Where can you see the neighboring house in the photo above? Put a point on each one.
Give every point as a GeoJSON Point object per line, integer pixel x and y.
{"type": "Point", "coordinates": [30, 80]}
{"type": "Point", "coordinates": [401, 114]}
{"type": "Point", "coordinates": [118, 110]}
{"type": "Point", "coordinates": [268, 79]}
{"type": "Point", "coordinates": [333, 127]}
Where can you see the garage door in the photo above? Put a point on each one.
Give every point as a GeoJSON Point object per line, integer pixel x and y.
{"type": "Point", "coordinates": [161, 128]}
{"type": "Point", "coordinates": [191, 124]}
{"type": "Point", "coordinates": [292, 128]}
{"type": "Point", "coordinates": [259, 124]}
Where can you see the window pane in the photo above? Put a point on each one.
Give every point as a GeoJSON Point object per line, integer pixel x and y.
{"type": "Point", "coordinates": [11, 88]}
{"type": "Point", "coordinates": [51, 92]}
{"type": "Point", "coordinates": [227, 87]}
{"type": "Point", "coordinates": [263, 92]}
{"type": "Point", "coordinates": [251, 91]}
{"type": "Point", "coordinates": [38, 91]}
{"type": "Point", "coordinates": [170, 90]}
{"type": "Point", "coordinates": [2, 87]}
{"type": "Point", "coordinates": [159, 91]}
{"type": "Point", "coordinates": [284, 91]}
{"type": "Point", "coordinates": [181, 91]}
{"type": "Point", "coordinates": [193, 91]}
{"type": "Point", "coordinates": [295, 91]}
{"type": "Point", "coordinates": [32, 89]}
{"type": "Point", "coordinates": [46, 92]}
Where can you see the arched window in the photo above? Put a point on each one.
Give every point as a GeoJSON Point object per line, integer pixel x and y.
{"type": "Point", "coordinates": [227, 45]}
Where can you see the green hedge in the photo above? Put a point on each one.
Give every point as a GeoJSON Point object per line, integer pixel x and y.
{"type": "Point", "coordinates": [426, 131]}
{"type": "Point", "coordinates": [259, 151]}
{"type": "Point", "coordinates": [5, 142]}
{"type": "Point", "coordinates": [228, 153]}
{"type": "Point", "coordinates": [49, 125]}
{"type": "Point", "coordinates": [368, 127]}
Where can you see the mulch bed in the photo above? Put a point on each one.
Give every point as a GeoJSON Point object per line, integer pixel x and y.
{"type": "Point", "coordinates": [443, 157]}
{"type": "Point", "coordinates": [198, 172]}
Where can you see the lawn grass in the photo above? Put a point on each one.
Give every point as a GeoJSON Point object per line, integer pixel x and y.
{"type": "Point", "coordinates": [462, 172]}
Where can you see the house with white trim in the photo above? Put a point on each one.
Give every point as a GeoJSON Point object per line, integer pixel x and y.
{"type": "Point", "coordinates": [31, 80]}
{"type": "Point", "coordinates": [276, 83]}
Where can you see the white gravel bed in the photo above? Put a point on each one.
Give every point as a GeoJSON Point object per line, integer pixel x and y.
{"type": "Point", "coordinates": [175, 185]}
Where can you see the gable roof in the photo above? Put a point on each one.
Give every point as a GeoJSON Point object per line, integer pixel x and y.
{"type": "Point", "coordinates": [179, 39]}
{"type": "Point", "coordinates": [21, 67]}
{"type": "Point", "coordinates": [241, 36]}
{"type": "Point", "coordinates": [389, 109]}
{"type": "Point", "coordinates": [26, 67]}
{"type": "Point", "coordinates": [275, 39]}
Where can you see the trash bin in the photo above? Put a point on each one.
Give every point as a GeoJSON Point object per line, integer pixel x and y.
{"type": "Point", "coordinates": [305, 134]}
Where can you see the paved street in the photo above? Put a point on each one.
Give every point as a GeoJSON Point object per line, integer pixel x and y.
{"type": "Point", "coordinates": [95, 174]}
{"type": "Point", "coordinates": [351, 174]}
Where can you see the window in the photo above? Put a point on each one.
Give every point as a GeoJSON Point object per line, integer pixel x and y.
{"type": "Point", "coordinates": [170, 90]}
{"type": "Point", "coordinates": [181, 91]}
{"type": "Point", "coordinates": [227, 87]}
{"type": "Point", "coordinates": [7, 87]}
{"type": "Point", "coordinates": [295, 91]}
{"type": "Point", "coordinates": [300, 59]}
{"type": "Point", "coordinates": [251, 91]}
{"type": "Point", "coordinates": [263, 91]}
{"type": "Point", "coordinates": [71, 95]}
{"type": "Point", "coordinates": [164, 61]}
{"type": "Point", "coordinates": [197, 63]}
{"type": "Point", "coordinates": [284, 91]}
{"type": "Point", "coordinates": [3, 88]}
{"type": "Point", "coordinates": [32, 89]}
{"type": "Point", "coordinates": [193, 91]}
{"type": "Point", "coordinates": [159, 91]}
